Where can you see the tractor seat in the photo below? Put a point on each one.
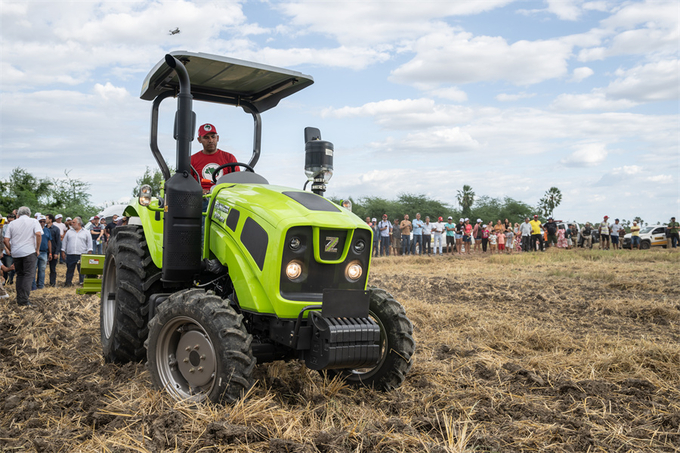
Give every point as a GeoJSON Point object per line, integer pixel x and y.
{"type": "Point", "coordinates": [242, 177]}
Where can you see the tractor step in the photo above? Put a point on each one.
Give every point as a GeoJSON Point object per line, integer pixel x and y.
{"type": "Point", "coordinates": [93, 267]}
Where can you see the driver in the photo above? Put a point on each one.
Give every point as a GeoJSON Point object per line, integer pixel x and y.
{"type": "Point", "coordinates": [209, 158]}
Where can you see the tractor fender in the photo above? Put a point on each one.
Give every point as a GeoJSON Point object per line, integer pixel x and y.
{"type": "Point", "coordinates": [153, 229]}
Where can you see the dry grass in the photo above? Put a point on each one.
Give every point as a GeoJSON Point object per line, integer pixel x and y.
{"type": "Point", "coordinates": [559, 352]}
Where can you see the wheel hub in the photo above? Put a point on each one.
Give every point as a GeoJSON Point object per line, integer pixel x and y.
{"type": "Point", "coordinates": [195, 358]}
{"type": "Point", "coordinates": [108, 296]}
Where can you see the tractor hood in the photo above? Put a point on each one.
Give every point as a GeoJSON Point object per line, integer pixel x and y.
{"type": "Point", "coordinates": [278, 205]}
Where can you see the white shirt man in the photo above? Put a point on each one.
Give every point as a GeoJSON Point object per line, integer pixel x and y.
{"type": "Point", "coordinates": [59, 224]}
{"type": "Point", "coordinates": [614, 232]}
{"type": "Point", "coordinates": [76, 242]}
{"type": "Point", "coordinates": [439, 231]}
{"type": "Point", "coordinates": [22, 241]}
{"type": "Point", "coordinates": [525, 230]}
{"type": "Point", "coordinates": [385, 227]}
{"type": "Point", "coordinates": [23, 236]}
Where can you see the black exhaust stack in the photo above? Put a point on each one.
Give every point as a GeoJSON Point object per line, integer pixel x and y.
{"type": "Point", "coordinates": [183, 194]}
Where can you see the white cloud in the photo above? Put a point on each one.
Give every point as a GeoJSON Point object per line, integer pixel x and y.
{"type": "Point", "coordinates": [601, 6]}
{"type": "Point", "coordinates": [517, 131]}
{"type": "Point", "coordinates": [404, 114]}
{"type": "Point", "coordinates": [659, 81]}
{"type": "Point", "coordinates": [504, 97]}
{"type": "Point", "coordinates": [432, 141]}
{"type": "Point", "coordinates": [565, 9]}
{"type": "Point", "coordinates": [373, 23]}
{"type": "Point", "coordinates": [581, 74]}
{"type": "Point", "coordinates": [571, 10]}
{"type": "Point", "coordinates": [65, 43]}
{"type": "Point", "coordinates": [596, 100]}
{"type": "Point", "coordinates": [109, 91]}
{"type": "Point", "coordinates": [355, 58]}
{"type": "Point", "coordinates": [663, 179]}
{"type": "Point", "coordinates": [452, 93]}
{"type": "Point", "coordinates": [642, 28]}
{"type": "Point", "coordinates": [447, 56]}
{"type": "Point", "coordinates": [586, 155]}
{"type": "Point", "coordinates": [628, 169]}
{"type": "Point", "coordinates": [631, 176]}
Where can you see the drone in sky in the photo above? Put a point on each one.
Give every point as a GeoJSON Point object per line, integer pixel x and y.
{"type": "Point", "coordinates": [175, 31]}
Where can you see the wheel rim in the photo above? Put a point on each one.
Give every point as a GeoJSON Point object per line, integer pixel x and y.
{"type": "Point", "coordinates": [108, 295]}
{"type": "Point", "coordinates": [186, 359]}
{"type": "Point", "coordinates": [362, 372]}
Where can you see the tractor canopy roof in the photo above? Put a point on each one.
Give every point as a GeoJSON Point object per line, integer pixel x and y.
{"type": "Point", "coordinates": [225, 80]}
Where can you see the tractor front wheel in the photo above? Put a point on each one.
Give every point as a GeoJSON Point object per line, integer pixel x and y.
{"type": "Point", "coordinates": [129, 278]}
{"type": "Point", "coordinates": [397, 345]}
{"type": "Point", "coordinates": [198, 349]}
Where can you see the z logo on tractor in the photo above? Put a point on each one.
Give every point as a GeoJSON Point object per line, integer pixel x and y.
{"type": "Point", "coordinates": [331, 244]}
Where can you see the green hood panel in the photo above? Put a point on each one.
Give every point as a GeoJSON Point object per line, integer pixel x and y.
{"type": "Point", "coordinates": [271, 204]}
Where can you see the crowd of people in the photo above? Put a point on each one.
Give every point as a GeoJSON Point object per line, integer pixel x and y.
{"type": "Point", "coordinates": [423, 237]}
{"type": "Point", "coordinates": [33, 244]}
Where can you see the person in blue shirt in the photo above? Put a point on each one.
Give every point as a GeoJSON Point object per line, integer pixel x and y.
{"type": "Point", "coordinates": [45, 254]}
{"type": "Point", "coordinates": [450, 236]}
{"type": "Point", "coordinates": [418, 234]}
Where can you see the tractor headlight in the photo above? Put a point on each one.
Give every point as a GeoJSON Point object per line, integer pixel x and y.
{"type": "Point", "coordinates": [359, 246]}
{"type": "Point", "coordinates": [145, 195]}
{"type": "Point", "coordinates": [354, 271]}
{"type": "Point", "coordinates": [294, 270]}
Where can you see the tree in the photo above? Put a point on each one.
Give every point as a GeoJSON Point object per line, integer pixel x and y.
{"type": "Point", "coordinates": [66, 195]}
{"type": "Point", "coordinates": [491, 209]}
{"type": "Point", "coordinates": [466, 198]}
{"type": "Point", "coordinates": [153, 178]}
{"type": "Point", "coordinates": [551, 200]}
{"type": "Point", "coordinates": [427, 207]}
{"type": "Point", "coordinates": [23, 189]}
{"type": "Point", "coordinates": [395, 209]}
{"type": "Point", "coordinates": [70, 196]}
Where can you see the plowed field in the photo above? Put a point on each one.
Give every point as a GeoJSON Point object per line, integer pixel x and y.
{"type": "Point", "coordinates": [571, 351]}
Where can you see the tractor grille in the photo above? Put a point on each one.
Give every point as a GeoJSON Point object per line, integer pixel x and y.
{"type": "Point", "coordinates": [319, 275]}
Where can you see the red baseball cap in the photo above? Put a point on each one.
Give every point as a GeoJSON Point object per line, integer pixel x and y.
{"type": "Point", "coordinates": [206, 129]}
{"type": "Point", "coordinates": [441, 218]}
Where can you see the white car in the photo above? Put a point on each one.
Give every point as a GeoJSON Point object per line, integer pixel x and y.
{"type": "Point", "coordinates": [650, 236]}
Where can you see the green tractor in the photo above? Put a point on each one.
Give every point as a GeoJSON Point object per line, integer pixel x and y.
{"type": "Point", "coordinates": [262, 273]}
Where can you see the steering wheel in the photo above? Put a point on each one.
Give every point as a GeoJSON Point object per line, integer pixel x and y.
{"type": "Point", "coordinates": [230, 164]}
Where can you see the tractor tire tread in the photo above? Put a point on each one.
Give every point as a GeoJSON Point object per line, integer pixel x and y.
{"type": "Point", "coordinates": [230, 339]}
{"type": "Point", "coordinates": [391, 372]}
{"type": "Point", "coordinates": [136, 275]}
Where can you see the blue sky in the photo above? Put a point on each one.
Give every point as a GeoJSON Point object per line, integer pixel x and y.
{"type": "Point", "coordinates": [510, 97]}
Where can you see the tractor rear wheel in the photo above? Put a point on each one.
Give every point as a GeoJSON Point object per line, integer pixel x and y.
{"type": "Point", "coordinates": [397, 345]}
{"type": "Point", "coordinates": [198, 349]}
{"type": "Point", "coordinates": [129, 279]}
